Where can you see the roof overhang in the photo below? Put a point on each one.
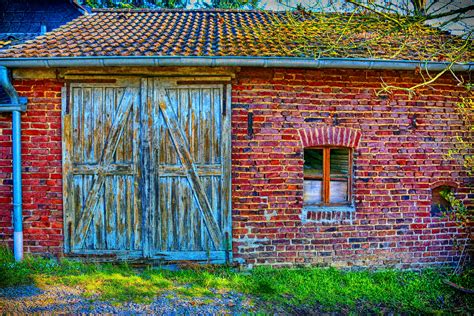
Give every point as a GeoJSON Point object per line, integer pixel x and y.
{"type": "Point", "coordinates": [237, 61]}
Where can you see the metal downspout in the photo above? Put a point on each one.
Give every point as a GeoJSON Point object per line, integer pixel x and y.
{"type": "Point", "coordinates": [17, 188]}
{"type": "Point", "coordinates": [15, 107]}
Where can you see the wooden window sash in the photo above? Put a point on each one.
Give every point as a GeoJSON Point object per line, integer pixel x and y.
{"type": "Point", "coordinates": [313, 177]}
{"type": "Point", "coordinates": [326, 174]}
{"type": "Point", "coordinates": [349, 174]}
{"type": "Point", "coordinates": [326, 178]}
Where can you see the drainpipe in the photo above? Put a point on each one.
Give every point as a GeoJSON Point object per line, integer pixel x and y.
{"type": "Point", "coordinates": [17, 105]}
{"type": "Point", "coordinates": [42, 29]}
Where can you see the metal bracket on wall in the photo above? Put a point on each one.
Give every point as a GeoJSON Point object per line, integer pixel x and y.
{"type": "Point", "coordinates": [21, 106]}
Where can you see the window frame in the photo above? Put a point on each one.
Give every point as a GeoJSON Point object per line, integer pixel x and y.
{"type": "Point", "coordinates": [437, 210]}
{"type": "Point", "coordinates": [326, 177]}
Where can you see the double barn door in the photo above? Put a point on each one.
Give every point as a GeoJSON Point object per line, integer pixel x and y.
{"type": "Point", "coordinates": [147, 169]}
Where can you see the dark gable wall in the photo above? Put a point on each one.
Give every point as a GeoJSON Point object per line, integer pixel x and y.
{"type": "Point", "coordinates": [22, 16]}
{"type": "Point", "coordinates": [396, 163]}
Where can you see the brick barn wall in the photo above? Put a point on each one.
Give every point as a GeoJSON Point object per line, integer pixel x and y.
{"type": "Point", "coordinates": [41, 167]}
{"type": "Point", "coordinates": [396, 163]}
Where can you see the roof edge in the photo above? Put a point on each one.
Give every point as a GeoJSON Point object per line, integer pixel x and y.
{"type": "Point", "coordinates": [233, 61]}
{"type": "Point", "coordinates": [181, 10]}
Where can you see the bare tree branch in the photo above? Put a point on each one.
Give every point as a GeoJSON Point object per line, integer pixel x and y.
{"type": "Point", "coordinates": [388, 17]}
{"type": "Point", "coordinates": [449, 13]}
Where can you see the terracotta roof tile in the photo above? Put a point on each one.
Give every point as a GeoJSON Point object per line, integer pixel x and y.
{"type": "Point", "coordinates": [211, 33]}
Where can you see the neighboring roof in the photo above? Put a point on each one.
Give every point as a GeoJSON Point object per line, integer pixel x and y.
{"type": "Point", "coordinates": [4, 98]}
{"type": "Point", "coordinates": [21, 20]}
{"type": "Point", "coordinates": [211, 33]}
{"type": "Point", "coordinates": [10, 39]}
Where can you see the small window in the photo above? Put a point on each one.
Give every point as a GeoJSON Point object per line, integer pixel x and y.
{"type": "Point", "coordinates": [327, 176]}
{"type": "Point", "coordinates": [439, 204]}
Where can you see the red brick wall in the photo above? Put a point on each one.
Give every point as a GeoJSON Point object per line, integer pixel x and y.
{"type": "Point", "coordinates": [395, 164]}
{"type": "Point", "coordinates": [41, 166]}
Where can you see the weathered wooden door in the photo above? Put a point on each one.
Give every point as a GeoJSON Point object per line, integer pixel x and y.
{"type": "Point", "coordinates": [147, 169]}
{"type": "Point", "coordinates": [188, 169]}
{"type": "Point", "coordinates": [102, 199]}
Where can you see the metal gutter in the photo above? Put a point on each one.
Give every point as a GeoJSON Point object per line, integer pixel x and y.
{"type": "Point", "coordinates": [17, 104]}
{"type": "Point", "coordinates": [216, 61]}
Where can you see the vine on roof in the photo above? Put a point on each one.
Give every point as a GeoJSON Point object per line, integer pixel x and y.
{"type": "Point", "coordinates": [371, 31]}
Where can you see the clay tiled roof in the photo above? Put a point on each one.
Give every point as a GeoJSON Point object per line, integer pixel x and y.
{"type": "Point", "coordinates": [210, 33]}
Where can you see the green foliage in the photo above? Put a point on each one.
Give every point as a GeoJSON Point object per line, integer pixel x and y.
{"type": "Point", "coordinates": [465, 279]}
{"type": "Point", "coordinates": [23, 272]}
{"type": "Point", "coordinates": [310, 288]}
{"type": "Point", "coordinates": [464, 151]}
{"type": "Point", "coordinates": [122, 5]}
{"type": "Point", "coordinates": [458, 211]}
{"type": "Point", "coordinates": [464, 143]}
{"type": "Point", "coordinates": [12, 273]}
{"type": "Point", "coordinates": [361, 291]}
{"type": "Point", "coordinates": [173, 4]}
{"type": "Point", "coordinates": [234, 4]}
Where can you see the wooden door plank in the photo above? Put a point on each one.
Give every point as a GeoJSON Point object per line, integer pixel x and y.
{"type": "Point", "coordinates": [217, 115]}
{"type": "Point", "coordinates": [217, 257]}
{"type": "Point", "coordinates": [111, 216]}
{"type": "Point", "coordinates": [109, 185]}
{"type": "Point", "coordinates": [88, 126]}
{"type": "Point", "coordinates": [68, 154]}
{"type": "Point", "coordinates": [146, 170]}
{"type": "Point", "coordinates": [206, 126]}
{"type": "Point", "coordinates": [75, 131]}
{"type": "Point", "coordinates": [122, 219]}
{"type": "Point", "coordinates": [135, 143]}
{"type": "Point", "coordinates": [226, 185]}
{"type": "Point", "coordinates": [180, 143]}
{"type": "Point", "coordinates": [194, 146]}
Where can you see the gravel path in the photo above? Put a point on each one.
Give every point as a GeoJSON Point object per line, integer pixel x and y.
{"type": "Point", "coordinates": [63, 299]}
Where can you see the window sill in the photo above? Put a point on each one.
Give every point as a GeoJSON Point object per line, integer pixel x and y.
{"type": "Point", "coordinates": [328, 208]}
{"type": "Point", "coordinates": [343, 214]}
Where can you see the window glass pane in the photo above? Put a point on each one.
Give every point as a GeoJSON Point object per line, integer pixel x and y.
{"type": "Point", "coordinates": [312, 192]}
{"type": "Point", "coordinates": [339, 162]}
{"type": "Point", "coordinates": [339, 174]}
{"type": "Point", "coordinates": [313, 163]}
{"type": "Point", "coordinates": [338, 191]}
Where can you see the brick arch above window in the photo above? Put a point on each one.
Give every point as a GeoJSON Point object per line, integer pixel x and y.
{"type": "Point", "coordinates": [444, 183]}
{"type": "Point", "coordinates": [330, 136]}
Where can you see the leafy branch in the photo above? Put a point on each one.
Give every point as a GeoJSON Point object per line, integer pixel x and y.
{"type": "Point", "coordinates": [464, 145]}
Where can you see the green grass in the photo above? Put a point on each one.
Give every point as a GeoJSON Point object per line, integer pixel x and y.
{"type": "Point", "coordinates": [326, 289]}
